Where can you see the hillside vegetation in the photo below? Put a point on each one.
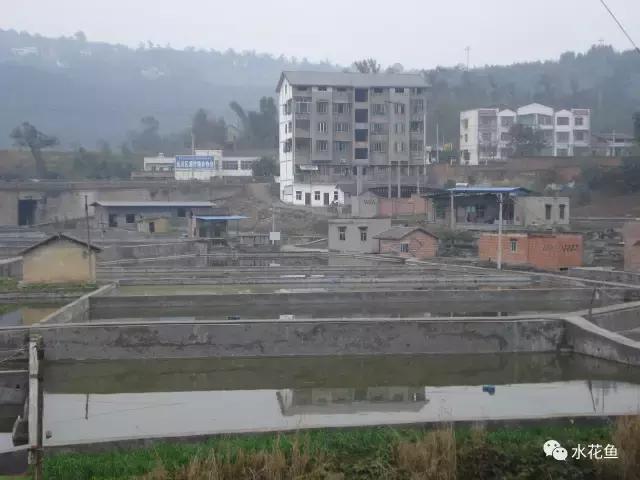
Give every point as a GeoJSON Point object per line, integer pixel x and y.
{"type": "Point", "coordinates": [83, 91]}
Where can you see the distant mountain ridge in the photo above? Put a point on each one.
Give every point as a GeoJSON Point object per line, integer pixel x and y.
{"type": "Point", "coordinates": [86, 91]}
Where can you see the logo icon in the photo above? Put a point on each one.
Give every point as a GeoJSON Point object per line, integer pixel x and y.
{"type": "Point", "coordinates": [553, 448]}
{"type": "Point", "coordinates": [549, 446]}
{"type": "Point", "coordinates": [560, 453]}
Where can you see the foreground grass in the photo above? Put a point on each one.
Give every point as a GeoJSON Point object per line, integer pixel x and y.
{"type": "Point", "coordinates": [369, 453]}
{"type": "Point", "coordinates": [11, 285]}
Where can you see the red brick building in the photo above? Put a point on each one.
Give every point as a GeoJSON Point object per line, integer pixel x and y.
{"type": "Point", "coordinates": [546, 251]}
{"type": "Point", "coordinates": [412, 242]}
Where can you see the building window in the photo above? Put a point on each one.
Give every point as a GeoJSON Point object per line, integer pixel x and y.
{"type": "Point", "coordinates": [419, 91]}
{"type": "Point", "coordinates": [399, 90]}
{"type": "Point", "coordinates": [342, 233]}
{"type": "Point", "coordinates": [465, 124]}
{"type": "Point", "coordinates": [130, 218]}
{"type": "Point", "coordinates": [342, 147]}
{"type": "Point", "coordinates": [562, 137]}
{"type": "Point", "coordinates": [182, 212]}
{"type": "Point", "coordinates": [361, 135]}
{"type": "Point", "coordinates": [505, 137]}
{"type": "Point", "coordinates": [404, 248]}
{"type": "Point", "coordinates": [399, 128]}
{"type": "Point", "coordinates": [415, 146]}
{"type": "Point", "coordinates": [378, 109]}
{"type": "Point", "coordinates": [230, 165]}
{"type": "Point", "coordinates": [113, 220]}
{"type": "Point", "coordinates": [322, 127]}
{"type": "Point", "coordinates": [562, 152]}
{"type": "Point", "coordinates": [335, 195]}
{"type": "Point", "coordinates": [398, 147]}
{"type": "Point", "coordinates": [486, 136]}
{"type": "Point", "coordinates": [579, 136]}
{"type": "Point", "coordinates": [341, 108]}
{"type": "Point", "coordinates": [415, 127]}
{"type": "Point", "coordinates": [378, 91]}
{"type": "Point", "coordinates": [298, 195]}
{"type": "Point", "coordinates": [379, 147]}
{"type": "Point", "coordinates": [514, 245]}
{"type": "Point", "coordinates": [322, 107]}
{"type": "Point", "coordinates": [322, 89]}
{"type": "Point", "coordinates": [417, 106]}
{"type": "Point", "coordinates": [302, 89]}
{"type": "Point", "coordinates": [316, 195]}
{"type": "Point", "coordinates": [303, 107]}
{"type": "Point", "coordinates": [363, 234]}
{"type": "Point", "coordinates": [504, 121]}
{"type": "Point", "coordinates": [246, 165]}
{"type": "Point", "coordinates": [362, 153]}
{"type": "Point", "coordinates": [362, 115]}
{"type": "Point", "coordinates": [341, 89]}
{"type": "Point", "coordinates": [322, 145]}
{"type": "Point", "coordinates": [378, 128]}
{"type": "Point", "coordinates": [547, 211]}
{"type": "Point", "coordinates": [578, 121]}
{"type": "Point", "coordinates": [562, 121]}
{"type": "Point", "coordinates": [561, 212]}
{"type": "Point", "coordinates": [361, 95]}
{"type": "Point", "coordinates": [398, 108]}
{"type": "Point", "coordinates": [342, 127]}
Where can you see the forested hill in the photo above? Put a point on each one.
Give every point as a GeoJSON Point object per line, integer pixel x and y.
{"type": "Point", "coordinates": [82, 91]}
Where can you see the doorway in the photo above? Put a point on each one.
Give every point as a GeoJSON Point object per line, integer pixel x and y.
{"type": "Point", "coordinates": [326, 198]}
{"type": "Point", "coordinates": [152, 227]}
{"type": "Point", "coordinates": [27, 212]}
{"type": "Point", "coordinates": [307, 198]}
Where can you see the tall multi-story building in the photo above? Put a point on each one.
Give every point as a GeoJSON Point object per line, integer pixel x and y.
{"type": "Point", "coordinates": [485, 132]}
{"type": "Point", "coordinates": [333, 122]}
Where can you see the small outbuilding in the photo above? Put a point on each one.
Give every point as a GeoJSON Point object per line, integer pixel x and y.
{"type": "Point", "coordinates": [59, 259]}
{"type": "Point", "coordinates": [415, 242]}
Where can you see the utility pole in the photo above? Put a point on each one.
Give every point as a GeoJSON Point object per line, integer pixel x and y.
{"type": "Point", "coordinates": [468, 50]}
{"type": "Point", "coordinates": [452, 215]}
{"type": "Point", "coordinates": [86, 216]}
{"type": "Point", "coordinates": [500, 231]}
{"type": "Point", "coordinates": [437, 143]}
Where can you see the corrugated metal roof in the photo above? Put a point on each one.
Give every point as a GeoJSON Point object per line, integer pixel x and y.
{"type": "Point", "coordinates": [398, 233]}
{"type": "Point", "coordinates": [152, 204]}
{"type": "Point", "coordinates": [220, 217]}
{"type": "Point", "coordinates": [351, 79]}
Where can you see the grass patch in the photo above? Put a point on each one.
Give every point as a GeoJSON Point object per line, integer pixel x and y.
{"type": "Point", "coordinates": [10, 285]}
{"type": "Point", "coordinates": [369, 453]}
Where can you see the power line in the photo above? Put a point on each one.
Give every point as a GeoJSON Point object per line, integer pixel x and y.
{"type": "Point", "coordinates": [620, 25]}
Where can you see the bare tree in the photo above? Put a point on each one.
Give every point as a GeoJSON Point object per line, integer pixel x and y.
{"type": "Point", "coordinates": [26, 135]}
{"type": "Point", "coordinates": [367, 65]}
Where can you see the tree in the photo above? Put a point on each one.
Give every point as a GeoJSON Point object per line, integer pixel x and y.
{"type": "Point", "coordinates": [526, 141]}
{"type": "Point", "coordinates": [26, 135]}
{"type": "Point", "coordinates": [367, 65]}
{"type": "Point", "coordinates": [265, 167]}
{"type": "Point", "coordinates": [148, 140]}
{"type": "Point", "coordinates": [208, 133]}
{"type": "Point", "coordinates": [259, 129]}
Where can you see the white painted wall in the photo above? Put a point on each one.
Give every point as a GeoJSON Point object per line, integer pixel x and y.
{"type": "Point", "coordinates": [285, 159]}
{"type": "Point", "coordinates": [469, 137]}
{"type": "Point", "coordinates": [331, 189]}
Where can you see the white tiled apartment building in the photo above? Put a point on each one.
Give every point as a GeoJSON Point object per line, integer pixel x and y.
{"type": "Point", "coordinates": [332, 122]}
{"type": "Point", "coordinates": [484, 132]}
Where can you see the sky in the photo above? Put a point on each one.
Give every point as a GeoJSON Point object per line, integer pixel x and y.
{"type": "Point", "coordinates": [415, 33]}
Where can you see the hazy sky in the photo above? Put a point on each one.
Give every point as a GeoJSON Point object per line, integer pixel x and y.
{"type": "Point", "coordinates": [416, 33]}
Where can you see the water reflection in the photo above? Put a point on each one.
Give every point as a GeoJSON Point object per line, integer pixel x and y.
{"type": "Point", "coordinates": [78, 418]}
{"type": "Point", "coordinates": [16, 315]}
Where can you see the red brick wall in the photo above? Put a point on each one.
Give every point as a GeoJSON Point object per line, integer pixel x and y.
{"type": "Point", "coordinates": [389, 207]}
{"type": "Point", "coordinates": [555, 252]}
{"type": "Point", "coordinates": [421, 245]}
{"type": "Point", "coordinates": [546, 252]}
{"type": "Point", "coordinates": [488, 248]}
{"type": "Point", "coordinates": [631, 235]}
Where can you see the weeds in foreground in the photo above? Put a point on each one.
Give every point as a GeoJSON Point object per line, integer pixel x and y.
{"type": "Point", "coordinates": [626, 437]}
{"type": "Point", "coordinates": [279, 463]}
{"type": "Point", "coordinates": [432, 457]}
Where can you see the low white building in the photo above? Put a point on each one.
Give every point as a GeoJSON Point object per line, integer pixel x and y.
{"type": "Point", "coordinates": [202, 165]}
{"type": "Point", "coordinates": [317, 195]}
{"type": "Point", "coordinates": [159, 163]}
